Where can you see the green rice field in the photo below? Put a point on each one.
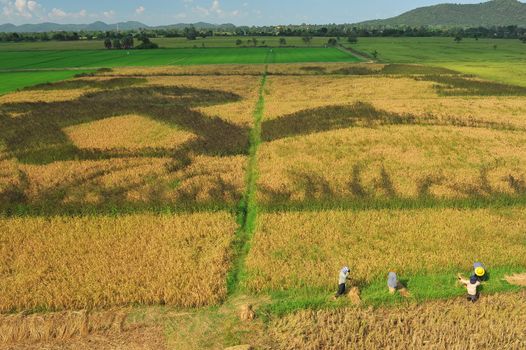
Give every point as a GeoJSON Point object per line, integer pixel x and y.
{"type": "Point", "coordinates": [501, 60]}
{"type": "Point", "coordinates": [10, 60]}
{"type": "Point", "coordinates": [16, 80]}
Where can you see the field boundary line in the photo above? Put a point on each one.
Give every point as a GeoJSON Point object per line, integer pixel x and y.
{"type": "Point", "coordinates": [358, 54]}
{"type": "Point", "coordinates": [248, 210]}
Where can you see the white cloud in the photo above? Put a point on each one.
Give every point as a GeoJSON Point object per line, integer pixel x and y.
{"type": "Point", "coordinates": [215, 10]}
{"type": "Point", "coordinates": [57, 13]}
{"type": "Point", "coordinates": [21, 5]}
{"type": "Point", "coordinates": [140, 10]}
{"type": "Point", "coordinates": [21, 9]}
{"type": "Point", "coordinates": [33, 5]}
{"type": "Point", "coordinates": [109, 14]}
{"type": "Point", "coordinates": [32, 11]}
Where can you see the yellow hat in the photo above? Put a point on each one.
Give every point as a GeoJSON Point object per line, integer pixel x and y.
{"type": "Point", "coordinates": [479, 271]}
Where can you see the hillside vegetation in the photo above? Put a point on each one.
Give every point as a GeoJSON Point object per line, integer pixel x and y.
{"type": "Point", "coordinates": [491, 13]}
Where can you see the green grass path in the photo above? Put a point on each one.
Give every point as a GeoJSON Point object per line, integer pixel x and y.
{"type": "Point", "coordinates": [247, 211]}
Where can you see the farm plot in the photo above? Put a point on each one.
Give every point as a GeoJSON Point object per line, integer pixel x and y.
{"type": "Point", "coordinates": [444, 324]}
{"type": "Point", "coordinates": [146, 58]}
{"type": "Point", "coordinates": [393, 162]}
{"type": "Point", "coordinates": [98, 261]}
{"type": "Point", "coordinates": [18, 80]}
{"type": "Point", "coordinates": [387, 138]}
{"type": "Point", "coordinates": [408, 94]}
{"type": "Point", "coordinates": [373, 242]}
{"type": "Point", "coordinates": [386, 172]}
{"type": "Point", "coordinates": [127, 141]}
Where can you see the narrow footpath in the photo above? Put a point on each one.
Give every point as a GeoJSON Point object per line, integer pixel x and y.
{"type": "Point", "coordinates": [247, 210]}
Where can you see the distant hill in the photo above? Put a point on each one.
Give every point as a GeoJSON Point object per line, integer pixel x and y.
{"type": "Point", "coordinates": [200, 25]}
{"type": "Point", "coordinates": [491, 13]}
{"type": "Point", "coordinates": [101, 26]}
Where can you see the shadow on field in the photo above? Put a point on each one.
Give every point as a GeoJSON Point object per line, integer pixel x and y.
{"type": "Point", "coordinates": [37, 136]}
{"type": "Point", "coordinates": [33, 134]}
{"type": "Point", "coordinates": [304, 190]}
{"type": "Point", "coordinates": [462, 86]}
{"type": "Point", "coordinates": [394, 69]}
{"type": "Point", "coordinates": [360, 114]}
{"type": "Point", "coordinates": [107, 84]}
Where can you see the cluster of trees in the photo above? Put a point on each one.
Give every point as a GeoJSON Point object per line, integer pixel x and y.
{"type": "Point", "coordinates": [128, 42]}
{"type": "Point", "coordinates": [57, 36]}
{"type": "Point", "coordinates": [334, 30]}
{"type": "Point", "coordinates": [329, 31]}
{"type": "Point", "coordinates": [190, 33]}
{"type": "Point", "coordinates": [307, 39]}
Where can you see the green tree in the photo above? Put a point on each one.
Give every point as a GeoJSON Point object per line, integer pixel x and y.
{"type": "Point", "coordinates": [352, 39]}
{"type": "Point", "coordinates": [190, 33]}
{"type": "Point", "coordinates": [117, 44]}
{"type": "Point", "coordinates": [282, 41]}
{"type": "Point", "coordinates": [146, 43]}
{"type": "Point", "coordinates": [239, 42]}
{"type": "Point", "coordinates": [307, 39]}
{"type": "Point", "coordinates": [128, 42]}
{"type": "Point", "coordinates": [332, 42]}
{"type": "Point", "coordinates": [458, 39]}
{"type": "Point", "coordinates": [255, 41]}
{"type": "Point", "coordinates": [375, 54]}
{"type": "Point", "coordinates": [107, 43]}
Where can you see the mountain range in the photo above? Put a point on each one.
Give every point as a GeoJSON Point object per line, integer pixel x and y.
{"type": "Point", "coordinates": [486, 14]}
{"type": "Point", "coordinates": [101, 26]}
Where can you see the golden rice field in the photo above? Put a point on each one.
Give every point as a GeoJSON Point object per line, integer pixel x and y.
{"type": "Point", "coordinates": [497, 322]}
{"type": "Point", "coordinates": [130, 131]}
{"type": "Point", "coordinates": [239, 112]}
{"type": "Point", "coordinates": [139, 181]}
{"type": "Point", "coordinates": [373, 242]}
{"type": "Point", "coordinates": [127, 155]}
{"type": "Point", "coordinates": [233, 69]}
{"type": "Point", "coordinates": [397, 94]}
{"type": "Point", "coordinates": [409, 161]}
{"type": "Point", "coordinates": [75, 263]}
{"type": "Point", "coordinates": [366, 137]}
{"type": "Point", "coordinates": [143, 207]}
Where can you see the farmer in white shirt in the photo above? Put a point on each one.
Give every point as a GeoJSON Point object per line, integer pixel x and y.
{"type": "Point", "coordinates": [471, 286]}
{"type": "Point", "coordinates": [342, 279]}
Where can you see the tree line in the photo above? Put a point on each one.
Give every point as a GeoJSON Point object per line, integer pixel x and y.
{"type": "Point", "coordinates": [333, 30]}
{"type": "Point", "coordinates": [128, 42]}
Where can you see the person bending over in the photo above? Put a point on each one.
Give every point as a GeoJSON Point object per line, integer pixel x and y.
{"type": "Point", "coordinates": [472, 287]}
{"type": "Point", "coordinates": [342, 280]}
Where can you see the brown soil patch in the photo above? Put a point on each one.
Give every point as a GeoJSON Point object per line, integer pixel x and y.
{"type": "Point", "coordinates": [517, 279]}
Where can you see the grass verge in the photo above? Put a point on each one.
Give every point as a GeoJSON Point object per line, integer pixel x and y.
{"type": "Point", "coordinates": [423, 287]}
{"type": "Point", "coordinates": [247, 212]}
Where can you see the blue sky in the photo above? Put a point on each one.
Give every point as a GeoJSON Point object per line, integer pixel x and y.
{"type": "Point", "coordinates": [239, 12]}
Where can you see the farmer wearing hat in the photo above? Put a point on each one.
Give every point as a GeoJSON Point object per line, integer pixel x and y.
{"type": "Point", "coordinates": [479, 271]}
{"type": "Point", "coordinates": [471, 286]}
{"type": "Point", "coordinates": [342, 279]}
